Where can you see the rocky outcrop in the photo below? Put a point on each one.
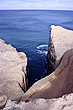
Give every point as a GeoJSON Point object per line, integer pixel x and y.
{"type": "Point", "coordinates": [60, 40]}
{"type": "Point", "coordinates": [13, 72]}
{"type": "Point", "coordinates": [58, 83]}
{"type": "Point", "coordinates": [63, 103]}
{"type": "Point", "coordinates": [55, 85]}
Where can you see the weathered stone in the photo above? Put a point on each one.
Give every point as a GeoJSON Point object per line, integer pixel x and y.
{"type": "Point", "coordinates": [58, 83]}
{"type": "Point", "coordinates": [63, 103]}
{"type": "Point", "coordinates": [3, 100]}
{"type": "Point", "coordinates": [60, 40]}
{"type": "Point", "coordinates": [13, 66]}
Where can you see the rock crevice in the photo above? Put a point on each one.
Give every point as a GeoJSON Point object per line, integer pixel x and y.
{"type": "Point", "coordinates": [51, 57]}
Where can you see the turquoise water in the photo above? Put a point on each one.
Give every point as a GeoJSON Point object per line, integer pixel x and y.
{"type": "Point", "coordinates": [28, 31]}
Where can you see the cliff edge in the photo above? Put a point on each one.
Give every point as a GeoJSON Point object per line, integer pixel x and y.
{"type": "Point", "coordinates": [13, 72]}
{"type": "Point", "coordinates": [60, 40]}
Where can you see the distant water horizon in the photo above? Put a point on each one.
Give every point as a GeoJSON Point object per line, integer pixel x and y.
{"type": "Point", "coordinates": [28, 32]}
{"type": "Point", "coordinates": [32, 10]}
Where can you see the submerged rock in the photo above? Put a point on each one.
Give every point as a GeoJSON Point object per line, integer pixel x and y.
{"type": "Point", "coordinates": [13, 72]}
{"type": "Point", "coordinates": [60, 40]}
{"type": "Point", "coordinates": [57, 84]}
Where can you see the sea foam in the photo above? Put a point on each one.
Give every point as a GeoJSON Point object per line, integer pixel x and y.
{"type": "Point", "coordinates": [42, 49]}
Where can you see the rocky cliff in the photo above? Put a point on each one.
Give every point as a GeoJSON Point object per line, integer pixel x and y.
{"type": "Point", "coordinates": [55, 85]}
{"type": "Point", "coordinates": [13, 73]}
{"type": "Point", "coordinates": [60, 40]}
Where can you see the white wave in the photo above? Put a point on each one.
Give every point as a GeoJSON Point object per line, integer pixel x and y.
{"type": "Point", "coordinates": [42, 46]}
{"type": "Point", "coordinates": [42, 49]}
{"type": "Point", "coordinates": [42, 52]}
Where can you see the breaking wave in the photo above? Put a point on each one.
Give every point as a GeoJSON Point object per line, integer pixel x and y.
{"type": "Point", "coordinates": [42, 49]}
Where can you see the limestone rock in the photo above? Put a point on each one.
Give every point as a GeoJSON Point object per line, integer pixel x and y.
{"type": "Point", "coordinates": [60, 40]}
{"type": "Point", "coordinates": [57, 84]}
{"type": "Point", "coordinates": [63, 103]}
{"type": "Point", "coordinates": [13, 66]}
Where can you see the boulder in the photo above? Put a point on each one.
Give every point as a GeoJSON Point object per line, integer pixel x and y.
{"type": "Point", "coordinates": [13, 72]}
{"type": "Point", "coordinates": [55, 85]}
{"type": "Point", "coordinates": [60, 40]}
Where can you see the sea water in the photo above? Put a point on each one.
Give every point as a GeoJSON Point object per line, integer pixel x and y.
{"type": "Point", "coordinates": [28, 31]}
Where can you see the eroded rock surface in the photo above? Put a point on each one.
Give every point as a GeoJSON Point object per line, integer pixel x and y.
{"type": "Point", "coordinates": [13, 66]}
{"type": "Point", "coordinates": [60, 40]}
{"type": "Point", "coordinates": [63, 103]}
{"type": "Point", "coordinates": [57, 84]}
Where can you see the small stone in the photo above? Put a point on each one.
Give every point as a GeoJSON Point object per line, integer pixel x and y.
{"type": "Point", "coordinates": [3, 100]}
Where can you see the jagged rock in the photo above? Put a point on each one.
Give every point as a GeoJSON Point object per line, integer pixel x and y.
{"type": "Point", "coordinates": [63, 103]}
{"type": "Point", "coordinates": [60, 40]}
{"type": "Point", "coordinates": [13, 72]}
{"type": "Point", "coordinates": [58, 83]}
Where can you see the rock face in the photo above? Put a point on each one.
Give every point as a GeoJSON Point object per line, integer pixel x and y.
{"type": "Point", "coordinates": [57, 84]}
{"type": "Point", "coordinates": [63, 103]}
{"type": "Point", "coordinates": [13, 74]}
{"type": "Point", "coordinates": [60, 40]}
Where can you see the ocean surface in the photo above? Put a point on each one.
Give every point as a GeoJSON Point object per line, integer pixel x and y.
{"type": "Point", "coordinates": [28, 31]}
